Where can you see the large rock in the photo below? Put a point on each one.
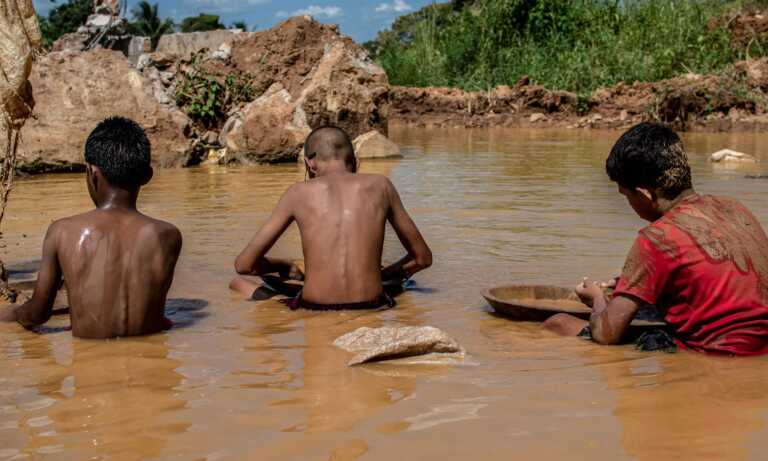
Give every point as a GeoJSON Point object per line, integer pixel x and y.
{"type": "Point", "coordinates": [377, 344]}
{"type": "Point", "coordinates": [313, 76]}
{"type": "Point", "coordinates": [75, 91]}
{"type": "Point", "coordinates": [375, 145]}
{"type": "Point", "coordinates": [268, 130]}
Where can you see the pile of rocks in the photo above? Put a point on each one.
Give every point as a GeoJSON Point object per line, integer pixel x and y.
{"type": "Point", "coordinates": [305, 74]}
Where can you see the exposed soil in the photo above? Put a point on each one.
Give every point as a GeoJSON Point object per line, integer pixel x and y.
{"type": "Point", "coordinates": [731, 101]}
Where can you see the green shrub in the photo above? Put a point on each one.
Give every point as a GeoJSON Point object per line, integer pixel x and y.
{"type": "Point", "coordinates": [575, 45]}
{"type": "Point", "coordinates": [208, 98]}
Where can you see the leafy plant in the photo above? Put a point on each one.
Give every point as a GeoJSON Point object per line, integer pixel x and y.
{"type": "Point", "coordinates": [208, 98]}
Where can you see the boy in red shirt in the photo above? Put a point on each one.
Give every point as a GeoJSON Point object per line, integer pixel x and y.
{"type": "Point", "coordinates": [703, 260]}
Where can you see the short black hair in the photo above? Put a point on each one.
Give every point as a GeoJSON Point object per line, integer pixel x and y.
{"type": "Point", "coordinates": [121, 150]}
{"type": "Point", "coordinates": [650, 155]}
{"type": "Point", "coordinates": [330, 142]}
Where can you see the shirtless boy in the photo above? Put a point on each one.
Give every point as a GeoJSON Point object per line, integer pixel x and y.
{"type": "Point", "coordinates": [117, 264]}
{"type": "Point", "coordinates": [341, 216]}
{"type": "Point", "coordinates": [703, 260]}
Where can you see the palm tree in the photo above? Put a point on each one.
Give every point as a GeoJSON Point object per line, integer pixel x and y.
{"type": "Point", "coordinates": [147, 23]}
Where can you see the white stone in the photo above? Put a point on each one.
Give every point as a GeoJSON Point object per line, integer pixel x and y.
{"type": "Point", "coordinates": [728, 156]}
{"type": "Point", "coordinates": [386, 343]}
{"type": "Point", "coordinates": [375, 145]}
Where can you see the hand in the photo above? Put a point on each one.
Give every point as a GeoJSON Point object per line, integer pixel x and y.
{"type": "Point", "coordinates": [610, 284]}
{"type": "Point", "coordinates": [588, 291]}
{"type": "Point", "coordinates": [8, 314]}
{"type": "Point", "coordinates": [295, 273]}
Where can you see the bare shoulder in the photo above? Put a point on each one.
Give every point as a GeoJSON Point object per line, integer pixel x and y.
{"type": "Point", "coordinates": [376, 180]}
{"type": "Point", "coordinates": [160, 231]}
{"type": "Point", "coordinates": [70, 224]}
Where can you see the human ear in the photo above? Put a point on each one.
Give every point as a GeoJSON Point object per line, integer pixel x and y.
{"type": "Point", "coordinates": [309, 164]}
{"type": "Point", "coordinates": [91, 177]}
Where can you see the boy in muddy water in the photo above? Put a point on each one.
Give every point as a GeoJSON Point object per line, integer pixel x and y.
{"type": "Point", "coordinates": [341, 215]}
{"type": "Point", "coordinates": [703, 260]}
{"type": "Point", "coordinates": [117, 264]}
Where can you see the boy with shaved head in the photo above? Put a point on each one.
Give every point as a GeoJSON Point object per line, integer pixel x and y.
{"type": "Point", "coordinates": [341, 216]}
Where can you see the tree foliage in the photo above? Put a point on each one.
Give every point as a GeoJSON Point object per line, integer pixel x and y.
{"type": "Point", "coordinates": [242, 25]}
{"type": "Point", "coordinates": [64, 19]}
{"type": "Point", "coordinates": [201, 23]}
{"type": "Point", "coordinates": [147, 23]}
{"type": "Point", "coordinates": [577, 45]}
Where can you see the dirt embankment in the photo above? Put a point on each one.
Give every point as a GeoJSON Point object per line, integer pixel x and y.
{"type": "Point", "coordinates": [734, 100]}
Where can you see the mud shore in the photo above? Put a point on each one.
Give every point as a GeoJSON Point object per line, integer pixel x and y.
{"type": "Point", "coordinates": [731, 101]}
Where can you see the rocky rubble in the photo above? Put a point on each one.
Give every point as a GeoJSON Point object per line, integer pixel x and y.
{"type": "Point", "coordinates": [76, 90]}
{"type": "Point", "coordinates": [312, 76]}
{"type": "Point", "coordinates": [304, 74]}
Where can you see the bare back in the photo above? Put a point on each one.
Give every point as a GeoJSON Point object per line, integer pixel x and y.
{"type": "Point", "coordinates": [342, 218]}
{"type": "Point", "coordinates": [118, 267]}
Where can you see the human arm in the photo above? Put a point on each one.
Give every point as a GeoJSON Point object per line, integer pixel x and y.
{"type": "Point", "coordinates": [252, 260]}
{"type": "Point", "coordinates": [419, 256]}
{"type": "Point", "coordinates": [643, 280]}
{"type": "Point", "coordinates": [39, 309]}
{"type": "Point", "coordinates": [609, 321]}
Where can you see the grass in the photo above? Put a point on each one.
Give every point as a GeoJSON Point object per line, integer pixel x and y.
{"type": "Point", "coordinates": [574, 45]}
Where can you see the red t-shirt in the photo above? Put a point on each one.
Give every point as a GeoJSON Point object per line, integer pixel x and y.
{"type": "Point", "coordinates": [705, 265]}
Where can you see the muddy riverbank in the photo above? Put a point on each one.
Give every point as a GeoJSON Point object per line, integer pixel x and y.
{"type": "Point", "coordinates": [732, 101]}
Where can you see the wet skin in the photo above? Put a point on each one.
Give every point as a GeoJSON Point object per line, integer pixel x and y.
{"type": "Point", "coordinates": [117, 265]}
{"type": "Point", "coordinates": [341, 217]}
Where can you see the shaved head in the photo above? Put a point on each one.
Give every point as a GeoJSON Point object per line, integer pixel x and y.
{"type": "Point", "coordinates": [330, 143]}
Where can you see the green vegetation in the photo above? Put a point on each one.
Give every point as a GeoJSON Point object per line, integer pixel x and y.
{"type": "Point", "coordinates": [207, 98]}
{"type": "Point", "coordinates": [147, 23]}
{"type": "Point", "coordinates": [64, 19]}
{"type": "Point", "coordinates": [201, 23]}
{"type": "Point", "coordinates": [576, 45]}
{"type": "Point", "coordinates": [242, 25]}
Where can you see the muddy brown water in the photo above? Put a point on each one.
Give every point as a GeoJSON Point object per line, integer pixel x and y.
{"type": "Point", "coordinates": [240, 380]}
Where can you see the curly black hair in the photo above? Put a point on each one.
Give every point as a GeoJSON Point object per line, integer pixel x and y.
{"type": "Point", "coordinates": [121, 150]}
{"type": "Point", "coordinates": [650, 155]}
